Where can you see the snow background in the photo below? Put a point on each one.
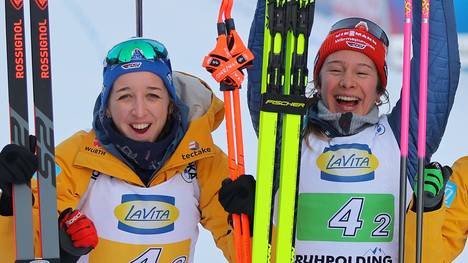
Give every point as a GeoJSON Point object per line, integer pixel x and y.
{"type": "Point", "coordinates": [83, 31]}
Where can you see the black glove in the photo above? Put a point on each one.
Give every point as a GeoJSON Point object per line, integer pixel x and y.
{"type": "Point", "coordinates": [435, 179]}
{"type": "Point", "coordinates": [238, 196]}
{"type": "Point", "coordinates": [17, 166]}
{"type": "Point", "coordinates": [78, 235]}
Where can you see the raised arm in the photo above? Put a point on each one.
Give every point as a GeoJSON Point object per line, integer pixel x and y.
{"type": "Point", "coordinates": [255, 72]}
{"type": "Point", "coordinates": [443, 74]}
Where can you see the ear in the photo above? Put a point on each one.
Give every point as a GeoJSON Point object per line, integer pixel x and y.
{"type": "Point", "coordinates": [317, 84]}
{"type": "Point", "coordinates": [317, 90]}
{"type": "Point", "coordinates": [108, 114]}
{"type": "Point", "coordinates": [378, 102]}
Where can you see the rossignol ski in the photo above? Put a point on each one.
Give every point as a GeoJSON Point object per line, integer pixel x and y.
{"type": "Point", "coordinates": [47, 195]}
{"type": "Point", "coordinates": [284, 79]}
{"type": "Point", "coordinates": [19, 126]}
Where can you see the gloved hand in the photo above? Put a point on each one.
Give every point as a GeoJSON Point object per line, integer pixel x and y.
{"type": "Point", "coordinates": [78, 235]}
{"type": "Point", "coordinates": [435, 179]}
{"type": "Point", "coordinates": [17, 166]}
{"type": "Point", "coordinates": [238, 196]}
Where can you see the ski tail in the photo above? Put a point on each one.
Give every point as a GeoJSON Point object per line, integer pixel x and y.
{"type": "Point", "coordinates": [284, 78]}
{"type": "Point", "coordinates": [42, 87]}
{"type": "Point", "coordinates": [300, 16]}
{"type": "Point", "coordinates": [19, 125]}
{"type": "Point", "coordinates": [271, 87]}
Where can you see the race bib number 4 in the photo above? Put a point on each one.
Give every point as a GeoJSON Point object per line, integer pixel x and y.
{"type": "Point", "coordinates": [177, 252]}
{"type": "Point", "coordinates": [345, 217]}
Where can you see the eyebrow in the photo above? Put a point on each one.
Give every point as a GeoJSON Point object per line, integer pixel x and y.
{"type": "Point", "coordinates": [365, 65]}
{"type": "Point", "coordinates": [122, 89]}
{"type": "Point", "coordinates": [155, 88]}
{"type": "Point", "coordinates": [332, 62]}
{"type": "Point", "coordinates": [126, 88]}
{"type": "Point", "coordinates": [342, 62]}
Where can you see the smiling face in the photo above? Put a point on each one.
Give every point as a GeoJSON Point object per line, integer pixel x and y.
{"type": "Point", "coordinates": [139, 105]}
{"type": "Point", "coordinates": [348, 82]}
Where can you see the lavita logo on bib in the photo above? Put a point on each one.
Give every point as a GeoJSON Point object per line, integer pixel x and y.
{"type": "Point", "coordinates": [347, 163]}
{"type": "Point", "coordinates": [146, 214]}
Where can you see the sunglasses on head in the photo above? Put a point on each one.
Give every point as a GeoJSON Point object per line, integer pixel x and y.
{"type": "Point", "coordinates": [357, 22]}
{"type": "Point", "coordinates": [136, 49]}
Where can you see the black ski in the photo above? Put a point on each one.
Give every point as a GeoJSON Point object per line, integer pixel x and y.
{"type": "Point", "coordinates": [19, 126]}
{"type": "Point", "coordinates": [42, 87]}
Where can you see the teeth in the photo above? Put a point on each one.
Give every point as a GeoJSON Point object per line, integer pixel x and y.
{"type": "Point", "coordinates": [140, 126]}
{"type": "Point", "coordinates": [347, 98]}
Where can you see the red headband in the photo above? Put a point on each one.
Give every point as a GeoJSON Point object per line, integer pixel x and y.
{"type": "Point", "coordinates": [355, 39]}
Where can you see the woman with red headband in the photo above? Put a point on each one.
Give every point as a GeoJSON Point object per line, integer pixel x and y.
{"type": "Point", "coordinates": [349, 172]}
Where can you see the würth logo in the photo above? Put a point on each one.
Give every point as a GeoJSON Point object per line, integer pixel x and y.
{"type": "Point", "coordinates": [17, 4]}
{"type": "Point", "coordinates": [42, 4]}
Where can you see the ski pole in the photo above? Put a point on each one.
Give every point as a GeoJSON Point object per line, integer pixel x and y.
{"type": "Point", "coordinates": [239, 48]}
{"type": "Point", "coordinates": [422, 123]}
{"type": "Point", "coordinates": [236, 48]}
{"type": "Point", "coordinates": [233, 172]}
{"type": "Point", "coordinates": [139, 17]}
{"type": "Point", "coordinates": [405, 105]}
{"type": "Point", "coordinates": [225, 63]}
{"type": "Point", "coordinates": [233, 169]}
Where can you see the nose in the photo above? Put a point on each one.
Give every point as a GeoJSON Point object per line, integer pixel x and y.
{"type": "Point", "coordinates": [139, 107]}
{"type": "Point", "coordinates": [348, 80]}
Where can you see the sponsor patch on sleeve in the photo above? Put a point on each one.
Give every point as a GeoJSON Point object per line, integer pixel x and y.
{"type": "Point", "coordinates": [450, 193]}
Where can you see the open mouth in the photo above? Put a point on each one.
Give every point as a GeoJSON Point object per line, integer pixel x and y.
{"type": "Point", "coordinates": [347, 101]}
{"type": "Point", "coordinates": [140, 127]}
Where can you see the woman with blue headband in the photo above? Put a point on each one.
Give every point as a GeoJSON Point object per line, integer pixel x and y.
{"type": "Point", "coordinates": [136, 186]}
